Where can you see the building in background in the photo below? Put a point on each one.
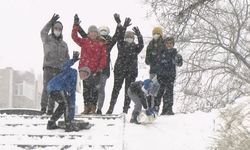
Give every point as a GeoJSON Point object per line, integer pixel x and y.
{"type": "Point", "coordinates": [19, 89]}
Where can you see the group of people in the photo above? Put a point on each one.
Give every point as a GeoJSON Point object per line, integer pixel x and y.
{"type": "Point", "coordinates": [60, 80]}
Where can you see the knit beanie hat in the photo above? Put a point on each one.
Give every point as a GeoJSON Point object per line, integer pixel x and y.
{"type": "Point", "coordinates": [169, 39]}
{"type": "Point", "coordinates": [147, 84]}
{"type": "Point", "coordinates": [129, 34]}
{"type": "Point", "coordinates": [85, 69]}
{"type": "Point", "coordinates": [157, 30]}
{"type": "Point", "coordinates": [92, 28]}
{"type": "Point", "coordinates": [104, 30]}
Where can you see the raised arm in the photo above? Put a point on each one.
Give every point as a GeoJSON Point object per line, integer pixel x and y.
{"type": "Point", "coordinates": [45, 31]}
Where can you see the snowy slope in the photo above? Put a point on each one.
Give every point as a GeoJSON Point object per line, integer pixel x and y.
{"type": "Point", "coordinates": [179, 132]}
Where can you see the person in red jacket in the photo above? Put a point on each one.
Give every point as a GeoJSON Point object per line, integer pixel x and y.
{"type": "Point", "coordinates": [93, 56]}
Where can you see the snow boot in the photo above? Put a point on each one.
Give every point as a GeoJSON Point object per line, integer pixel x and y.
{"type": "Point", "coordinates": [49, 112]}
{"type": "Point", "coordinates": [86, 109]}
{"type": "Point", "coordinates": [110, 110]}
{"type": "Point", "coordinates": [134, 118]}
{"type": "Point", "coordinates": [99, 112]}
{"type": "Point", "coordinates": [168, 111]}
{"type": "Point", "coordinates": [69, 127]}
{"type": "Point", "coordinates": [43, 110]}
{"type": "Point", "coordinates": [92, 109]}
{"type": "Point", "coordinates": [52, 125]}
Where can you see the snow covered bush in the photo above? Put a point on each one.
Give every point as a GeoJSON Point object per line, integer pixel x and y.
{"type": "Point", "coordinates": [233, 127]}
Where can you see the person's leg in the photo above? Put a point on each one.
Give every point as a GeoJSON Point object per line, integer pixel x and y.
{"type": "Point", "coordinates": [168, 97]}
{"type": "Point", "coordinates": [56, 96]}
{"type": "Point", "coordinates": [101, 93]}
{"type": "Point", "coordinates": [128, 80]}
{"type": "Point", "coordinates": [161, 92]}
{"type": "Point", "coordinates": [118, 81]}
{"type": "Point", "coordinates": [137, 107]}
{"type": "Point", "coordinates": [47, 75]}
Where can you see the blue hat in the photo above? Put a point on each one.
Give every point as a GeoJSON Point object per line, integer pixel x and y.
{"type": "Point", "coordinates": [147, 84]}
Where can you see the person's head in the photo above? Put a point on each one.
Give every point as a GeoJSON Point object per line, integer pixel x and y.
{"type": "Point", "coordinates": [57, 29]}
{"type": "Point", "coordinates": [84, 73]}
{"type": "Point", "coordinates": [103, 30]}
{"type": "Point", "coordinates": [169, 42]}
{"type": "Point", "coordinates": [129, 36]}
{"type": "Point", "coordinates": [92, 32]}
{"type": "Point", "coordinates": [157, 33]}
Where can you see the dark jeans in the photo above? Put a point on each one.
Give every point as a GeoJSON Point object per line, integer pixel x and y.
{"type": "Point", "coordinates": [90, 89]}
{"type": "Point", "coordinates": [63, 108]}
{"type": "Point", "coordinates": [118, 81]}
{"type": "Point", "coordinates": [166, 91]}
{"type": "Point", "coordinates": [48, 73]}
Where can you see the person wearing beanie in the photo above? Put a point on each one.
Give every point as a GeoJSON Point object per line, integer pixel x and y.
{"type": "Point", "coordinates": [152, 49]}
{"type": "Point", "coordinates": [62, 88]}
{"type": "Point", "coordinates": [93, 55]}
{"type": "Point", "coordinates": [126, 65]}
{"type": "Point", "coordinates": [110, 42]}
{"type": "Point", "coordinates": [167, 60]}
{"type": "Point", "coordinates": [55, 53]}
{"type": "Point", "coordinates": [142, 93]}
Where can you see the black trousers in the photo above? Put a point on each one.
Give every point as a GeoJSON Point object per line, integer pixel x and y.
{"type": "Point", "coordinates": [166, 91]}
{"type": "Point", "coordinates": [62, 99]}
{"type": "Point", "coordinates": [90, 89]}
{"type": "Point", "coordinates": [118, 81]}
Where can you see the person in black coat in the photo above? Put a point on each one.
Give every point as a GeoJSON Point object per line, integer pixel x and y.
{"type": "Point", "coordinates": [126, 65]}
{"type": "Point", "coordinates": [167, 60]}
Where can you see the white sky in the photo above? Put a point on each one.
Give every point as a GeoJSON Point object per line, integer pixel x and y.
{"type": "Point", "coordinates": [22, 20]}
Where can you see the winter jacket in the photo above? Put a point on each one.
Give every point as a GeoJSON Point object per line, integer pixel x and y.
{"type": "Point", "coordinates": [110, 42]}
{"type": "Point", "coordinates": [93, 52]}
{"type": "Point", "coordinates": [65, 81]}
{"type": "Point", "coordinates": [55, 50]}
{"type": "Point", "coordinates": [167, 61]}
{"type": "Point", "coordinates": [127, 59]}
{"type": "Point", "coordinates": [136, 88]}
{"type": "Point", "coordinates": [153, 49]}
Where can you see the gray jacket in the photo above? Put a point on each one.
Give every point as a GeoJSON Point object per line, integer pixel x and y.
{"type": "Point", "coordinates": [55, 50]}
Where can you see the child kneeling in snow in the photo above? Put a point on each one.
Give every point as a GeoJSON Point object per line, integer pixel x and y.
{"type": "Point", "coordinates": [62, 89]}
{"type": "Point", "coordinates": [142, 93]}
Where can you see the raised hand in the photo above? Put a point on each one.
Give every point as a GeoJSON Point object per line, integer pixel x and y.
{"type": "Point", "coordinates": [76, 20]}
{"type": "Point", "coordinates": [137, 31]}
{"type": "Point", "coordinates": [127, 22]}
{"type": "Point", "coordinates": [117, 18]}
{"type": "Point", "coordinates": [54, 18]}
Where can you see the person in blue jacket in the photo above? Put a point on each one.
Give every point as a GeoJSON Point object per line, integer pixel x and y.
{"type": "Point", "coordinates": [62, 88]}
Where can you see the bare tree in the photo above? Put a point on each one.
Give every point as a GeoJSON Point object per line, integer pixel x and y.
{"type": "Point", "coordinates": [213, 37]}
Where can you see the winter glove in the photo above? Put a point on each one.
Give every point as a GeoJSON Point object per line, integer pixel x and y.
{"type": "Point", "coordinates": [54, 18]}
{"type": "Point", "coordinates": [76, 20]}
{"type": "Point", "coordinates": [179, 60]}
{"type": "Point", "coordinates": [137, 31]}
{"type": "Point", "coordinates": [75, 56]}
{"type": "Point", "coordinates": [117, 18]}
{"type": "Point", "coordinates": [127, 22]}
{"type": "Point", "coordinates": [150, 112]}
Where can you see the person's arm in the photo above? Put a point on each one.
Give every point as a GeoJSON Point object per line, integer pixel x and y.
{"type": "Point", "coordinates": [45, 31]}
{"type": "Point", "coordinates": [103, 61]}
{"type": "Point", "coordinates": [82, 32]}
{"type": "Point", "coordinates": [74, 35]}
{"type": "Point", "coordinates": [148, 59]}
{"type": "Point", "coordinates": [140, 44]}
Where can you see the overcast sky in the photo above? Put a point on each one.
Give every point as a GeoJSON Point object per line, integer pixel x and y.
{"type": "Point", "coordinates": [22, 20]}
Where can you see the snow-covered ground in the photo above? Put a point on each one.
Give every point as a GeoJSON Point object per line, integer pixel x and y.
{"type": "Point", "coordinates": [178, 132]}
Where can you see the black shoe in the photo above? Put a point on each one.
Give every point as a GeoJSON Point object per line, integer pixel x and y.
{"type": "Point", "coordinates": [167, 112]}
{"type": "Point", "coordinates": [43, 111]}
{"type": "Point", "coordinates": [132, 120]}
{"type": "Point", "coordinates": [99, 112]}
{"type": "Point", "coordinates": [52, 125]}
{"type": "Point", "coordinates": [69, 127]}
{"type": "Point", "coordinates": [110, 110]}
{"type": "Point", "coordinates": [49, 112]}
